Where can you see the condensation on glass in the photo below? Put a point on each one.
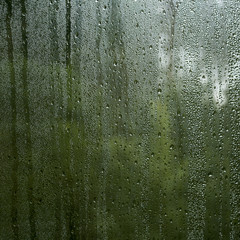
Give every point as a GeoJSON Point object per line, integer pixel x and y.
{"type": "Point", "coordinates": [119, 119]}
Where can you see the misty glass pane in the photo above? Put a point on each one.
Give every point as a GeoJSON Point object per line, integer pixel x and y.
{"type": "Point", "coordinates": [119, 119]}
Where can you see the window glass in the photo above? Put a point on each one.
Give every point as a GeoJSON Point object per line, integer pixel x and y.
{"type": "Point", "coordinates": [119, 119]}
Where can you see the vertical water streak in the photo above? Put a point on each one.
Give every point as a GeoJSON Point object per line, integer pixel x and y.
{"type": "Point", "coordinates": [55, 113]}
{"type": "Point", "coordinates": [117, 64]}
{"type": "Point", "coordinates": [194, 109]}
{"type": "Point", "coordinates": [26, 101]}
{"type": "Point", "coordinates": [101, 143]}
{"type": "Point", "coordinates": [179, 128]}
{"type": "Point", "coordinates": [70, 209]}
{"type": "Point", "coordinates": [78, 132]}
{"type": "Point", "coordinates": [172, 98]}
{"type": "Point", "coordinates": [234, 100]}
{"type": "Point", "coordinates": [14, 174]}
{"type": "Point", "coordinates": [117, 97]}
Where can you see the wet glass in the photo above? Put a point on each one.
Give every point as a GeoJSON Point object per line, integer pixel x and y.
{"type": "Point", "coordinates": [119, 119]}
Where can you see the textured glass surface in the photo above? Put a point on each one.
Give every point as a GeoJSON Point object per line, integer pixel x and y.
{"type": "Point", "coordinates": [119, 119]}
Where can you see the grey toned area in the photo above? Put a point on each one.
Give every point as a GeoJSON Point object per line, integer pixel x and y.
{"type": "Point", "coordinates": [119, 120]}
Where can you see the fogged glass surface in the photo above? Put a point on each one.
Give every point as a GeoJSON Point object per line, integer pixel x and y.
{"type": "Point", "coordinates": [119, 119]}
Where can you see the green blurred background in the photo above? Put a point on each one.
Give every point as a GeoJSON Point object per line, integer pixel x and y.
{"type": "Point", "coordinates": [119, 119]}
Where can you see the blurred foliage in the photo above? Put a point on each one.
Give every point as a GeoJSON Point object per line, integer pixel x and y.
{"type": "Point", "coordinates": [98, 141]}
